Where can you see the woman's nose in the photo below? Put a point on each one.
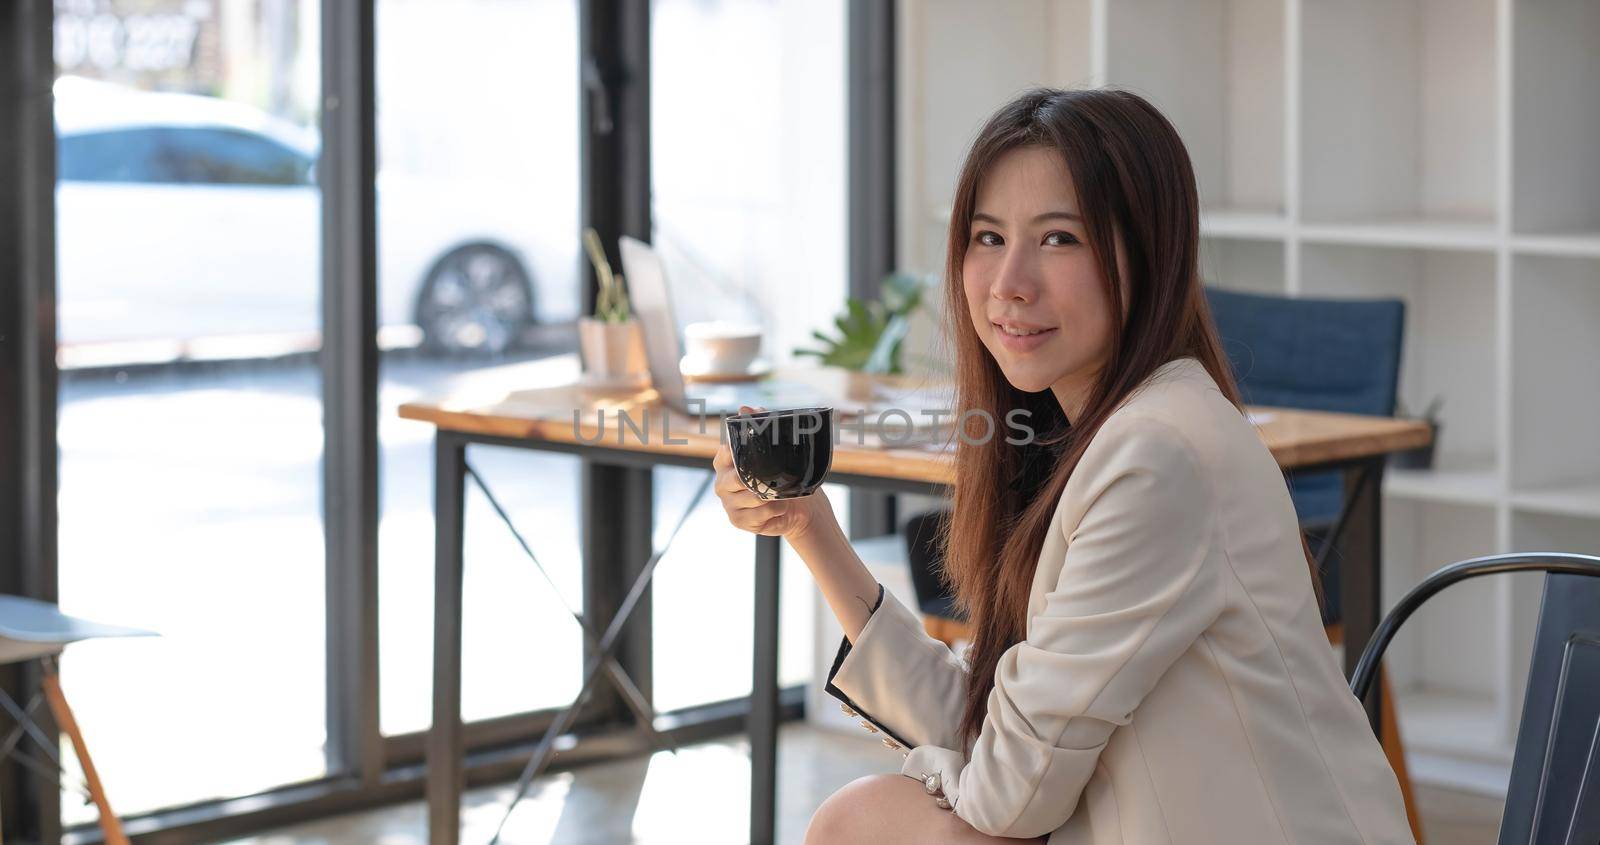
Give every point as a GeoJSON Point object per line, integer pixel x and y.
{"type": "Point", "coordinates": [1016, 281]}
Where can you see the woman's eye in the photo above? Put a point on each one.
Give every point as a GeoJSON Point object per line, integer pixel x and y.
{"type": "Point", "coordinates": [988, 239]}
{"type": "Point", "coordinates": [1060, 239]}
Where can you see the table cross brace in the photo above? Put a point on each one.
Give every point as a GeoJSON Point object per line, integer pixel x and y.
{"type": "Point", "coordinates": [631, 694]}
{"type": "Point", "coordinates": [601, 659]}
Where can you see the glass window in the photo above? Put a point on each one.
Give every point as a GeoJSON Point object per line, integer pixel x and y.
{"type": "Point", "coordinates": [478, 289]}
{"type": "Point", "coordinates": [123, 155]}
{"type": "Point", "coordinates": [750, 217]}
{"type": "Point", "coordinates": [228, 157]}
{"type": "Point", "coordinates": [190, 416]}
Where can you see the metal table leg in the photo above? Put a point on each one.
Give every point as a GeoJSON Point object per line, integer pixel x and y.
{"type": "Point", "coordinates": [1361, 571]}
{"type": "Point", "coordinates": [444, 743]}
{"type": "Point", "coordinates": [764, 696]}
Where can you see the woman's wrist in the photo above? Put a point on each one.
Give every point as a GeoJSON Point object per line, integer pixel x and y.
{"type": "Point", "coordinates": [819, 517]}
{"type": "Point", "coordinates": [849, 589]}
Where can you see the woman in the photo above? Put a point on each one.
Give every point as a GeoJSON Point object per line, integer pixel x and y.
{"type": "Point", "coordinates": [1148, 662]}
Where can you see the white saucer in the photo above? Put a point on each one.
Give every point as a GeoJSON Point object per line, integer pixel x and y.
{"type": "Point", "coordinates": [697, 368]}
{"type": "Point", "coordinates": [596, 381]}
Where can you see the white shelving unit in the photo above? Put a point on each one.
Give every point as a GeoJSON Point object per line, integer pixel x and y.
{"type": "Point", "coordinates": [1446, 152]}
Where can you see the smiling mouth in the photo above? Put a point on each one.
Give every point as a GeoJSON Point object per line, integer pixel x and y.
{"type": "Point", "coordinates": [1013, 331]}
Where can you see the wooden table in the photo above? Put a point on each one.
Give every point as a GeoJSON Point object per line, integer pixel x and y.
{"type": "Point", "coordinates": [543, 419]}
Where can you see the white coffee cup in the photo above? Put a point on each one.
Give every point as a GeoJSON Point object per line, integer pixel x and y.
{"type": "Point", "coordinates": [721, 346]}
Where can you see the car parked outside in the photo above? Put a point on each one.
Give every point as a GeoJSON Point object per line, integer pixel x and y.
{"type": "Point", "coordinates": [184, 216]}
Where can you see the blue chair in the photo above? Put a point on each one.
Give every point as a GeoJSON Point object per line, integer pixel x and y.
{"type": "Point", "coordinates": [1320, 355]}
{"type": "Point", "coordinates": [1553, 797]}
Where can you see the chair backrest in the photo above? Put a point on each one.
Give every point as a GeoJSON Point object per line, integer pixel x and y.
{"type": "Point", "coordinates": [1554, 794]}
{"type": "Point", "coordinates": [1316, 354]}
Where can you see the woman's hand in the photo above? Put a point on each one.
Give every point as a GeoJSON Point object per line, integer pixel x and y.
{"type": "Point", "coordinates": [788, 518]}
{"type": "Point", "coordinates": [813, 532]}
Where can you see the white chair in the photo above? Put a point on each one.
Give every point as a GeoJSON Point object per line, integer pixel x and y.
{"type": "Point", "coordinates": [36, 630]}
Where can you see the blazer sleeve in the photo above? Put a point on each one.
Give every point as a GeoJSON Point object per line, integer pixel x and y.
{"type": "Point", "coordinates": [1138, 586]}
{"type": "Point", "coordinates": [901, 682]}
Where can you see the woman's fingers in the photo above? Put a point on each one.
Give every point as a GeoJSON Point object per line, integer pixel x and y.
{"type": "Point", "coordinates": [744, 500]}
{"type": "Point", "coordinates": [728, 486]}
{"type": "Point", "coordinates": [745, 509]}
{"type": "Point", "coordinates": [722, 459]}
{"type": "Point", "coordinates": [741, 499]}
{"type": "Point", "coordinates": [776, 524]}
{"type": "Point", "coordinates": [756, 518]}
{"type": "Point", "coordinates": [731, 491]}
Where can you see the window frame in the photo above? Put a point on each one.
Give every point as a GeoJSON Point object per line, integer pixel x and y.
{"type": "Point", "coordinates": [366, 769]}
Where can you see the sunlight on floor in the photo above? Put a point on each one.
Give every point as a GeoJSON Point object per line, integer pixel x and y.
{"type": "Point", "coordinates": [673, 803]}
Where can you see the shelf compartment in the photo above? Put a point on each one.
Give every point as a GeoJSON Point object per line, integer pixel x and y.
{"type": "Point", "coordinates": [1242, 265]}
{"type": "Point", "coordinates": [1436, 233]}
{"type": "Point", "coordinates": [1466, 483]}
{"type": "Point", "coordinates": [1453, 723]}
{"type": "Point", "coordinates": [1555, 387]}
{"type": "Point", "coordinates": [1580, 499]}
{"type": "Point", "coordinates": [1215, 68]}
{"type": "Point", "coordinates": [1449, 349]}
{"type": "Point", "coordinates": [1570, 244]}
{"type": "Point", "coordinates": [1398, 116]}
{"type": "Point", "coordinates": [1555, 125]}
{"type": "Point", "coordinates": [1543, 532]}
{"type": "Point", "coordinates": [1445, 647]}
{"type": "Point", "coordinates": [1242, 223]}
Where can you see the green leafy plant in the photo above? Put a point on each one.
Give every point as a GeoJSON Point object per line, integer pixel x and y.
{"type": "Point", "coordinates": [871, 334]}
{"type": "Point", "coordinates": [611, 305]}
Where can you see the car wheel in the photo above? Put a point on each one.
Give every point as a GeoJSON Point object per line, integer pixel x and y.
{"type": "Point", "coordinates": [476, 299]}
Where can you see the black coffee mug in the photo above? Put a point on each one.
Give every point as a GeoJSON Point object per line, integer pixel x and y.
{"type": "Point", "coordinates": [783, 453]}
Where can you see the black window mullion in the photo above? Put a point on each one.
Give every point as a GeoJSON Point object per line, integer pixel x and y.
{"type": "Point", "coordinates": [348, 172]}
{"type": "Point", "coordinates": [28, 378]}
{"type": "Point", "coordinates": [871, 53]}
{"type": "Point", "coordinates": [614, 122]}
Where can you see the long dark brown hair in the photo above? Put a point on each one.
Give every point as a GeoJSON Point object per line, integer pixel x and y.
{"type": "Point", "coordinates": [1135, 183]}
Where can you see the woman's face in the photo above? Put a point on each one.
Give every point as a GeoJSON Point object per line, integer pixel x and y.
{"type": "Point", "coordinates": [1035, 293]}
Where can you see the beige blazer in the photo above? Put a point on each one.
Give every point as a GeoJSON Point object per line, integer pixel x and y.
{"type": "Point", "coordinates": [1175, 684]}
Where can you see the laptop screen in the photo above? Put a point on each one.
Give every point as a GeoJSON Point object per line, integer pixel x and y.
{"type": "Point", "coordinates": [646, 280]}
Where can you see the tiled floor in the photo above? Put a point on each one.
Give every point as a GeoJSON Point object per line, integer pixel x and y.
{"type": "Point", "coordinates": [698, 796]}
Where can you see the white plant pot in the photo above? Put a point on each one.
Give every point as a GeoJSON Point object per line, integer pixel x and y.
{"type": "Point", "coordinates": [611, 350]}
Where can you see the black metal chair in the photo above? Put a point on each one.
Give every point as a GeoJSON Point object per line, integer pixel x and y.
{"type": "Point", "coordinates": [1553, 797]}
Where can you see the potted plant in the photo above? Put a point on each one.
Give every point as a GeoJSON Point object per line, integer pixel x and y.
{"type": "Point", "coordinates": [1422, 456]}
{"type": "Point", "coordinates": [610, 342]}
{"type": "Point", "coordinates": [871, 334]}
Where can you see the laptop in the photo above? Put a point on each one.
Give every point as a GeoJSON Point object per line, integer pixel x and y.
{"type": "Point", "coordinates": [652, 305]}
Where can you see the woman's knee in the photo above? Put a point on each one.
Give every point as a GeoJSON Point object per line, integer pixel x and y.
{"type": "Point", "coordinates": [854, 813]}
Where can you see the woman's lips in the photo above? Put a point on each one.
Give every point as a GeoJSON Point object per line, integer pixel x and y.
{"type": "Point", "coordinates": [1022, 343]}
